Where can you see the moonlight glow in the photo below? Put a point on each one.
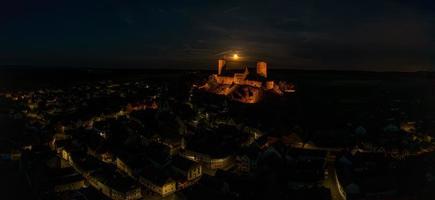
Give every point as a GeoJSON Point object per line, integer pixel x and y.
{"type": "Point", "coordinates": [235, 57]}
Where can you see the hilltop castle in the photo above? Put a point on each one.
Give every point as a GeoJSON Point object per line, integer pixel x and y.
{"type": "Point", "coordinates": [236, 73]}
{"type": "Point", "coordinates": [235, 79]}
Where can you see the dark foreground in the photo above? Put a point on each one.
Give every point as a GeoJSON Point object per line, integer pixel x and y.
{"type": "Point", "coordinates": [366, 133]}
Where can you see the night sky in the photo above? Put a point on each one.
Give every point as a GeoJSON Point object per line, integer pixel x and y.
{"type": "Point", "coordinates": [326, 34]}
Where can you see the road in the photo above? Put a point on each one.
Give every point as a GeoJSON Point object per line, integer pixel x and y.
{"type": "Point", "coordinates": [332, 182]}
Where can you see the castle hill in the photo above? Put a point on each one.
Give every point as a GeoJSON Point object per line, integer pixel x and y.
{"type": "Point", "coordinates": [236, 80]}
{"type": "Point", "coordinates": [217, 100]}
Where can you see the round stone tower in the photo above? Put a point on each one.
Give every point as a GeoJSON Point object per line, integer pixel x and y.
{"type": "Point", "coordinates": [221, 64]}
{"type": "Point", "coordinates": [262, 69]}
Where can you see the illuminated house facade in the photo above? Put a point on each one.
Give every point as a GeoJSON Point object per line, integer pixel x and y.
{"type": "Point", "coordinates": [209, 161]}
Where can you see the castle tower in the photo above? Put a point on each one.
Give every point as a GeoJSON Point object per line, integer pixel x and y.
{"type": "Point", "coordinates": [262, 69]}
{"type": "Point", "coordinates": [221, 64]}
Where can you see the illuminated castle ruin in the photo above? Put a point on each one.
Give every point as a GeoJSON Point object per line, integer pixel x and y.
{"type": "Point", "coordinates": [236, 80]}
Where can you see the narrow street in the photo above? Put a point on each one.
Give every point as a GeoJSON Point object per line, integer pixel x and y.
{"type": "Point", "coordinates": [332, 182]}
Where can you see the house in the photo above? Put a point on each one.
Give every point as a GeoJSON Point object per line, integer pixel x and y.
{"type": "Point", "coordinates": [84, 164]}
{"type": "Point", "coordinates": [123, 165]}
{"type": "Point", "coordinates": [101, 151]}
{"type": "Point", "coordinates": [59, 140]}
{"type": "Point", "coordinates": [174, 142]}
{"type": "Point", "coordinates": [57, 162]}
{"type": "Point", "coordinates": [154, 177]}
{"type": "Point", "coordinates": [67, 179]}
{"type": "Point", "coordinates": [157, 181]}
{"type": "Point", "coordinates": [187, 168]}
{"type": "Point", "coordinates": [158, 154]}
{"type": "Point", "coordinates": [246, 159]}
{"type": "Point", "coordinates": [70, 183]}
{"type": "Point", "coordinates": [209, 161]}
{"type": "Point", "coordinates": [114, 185]}
{"type": "Point", "coordinates": [215, 148]}
{"type": "Point", "coordinates": [58, 144]}
{"type": "Point", "coordinates": [367, 175]}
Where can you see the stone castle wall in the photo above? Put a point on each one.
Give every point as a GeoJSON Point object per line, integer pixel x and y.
{"type": "Point", "coordinates": [231, 80]}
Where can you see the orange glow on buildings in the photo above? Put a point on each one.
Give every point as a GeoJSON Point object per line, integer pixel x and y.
{"type": "Point", "coordinates": [236, 80]}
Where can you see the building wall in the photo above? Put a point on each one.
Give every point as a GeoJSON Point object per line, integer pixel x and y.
{"type": "Point", "coordinates": [168, 188]}
{"type": "Point", "coordinates": [221, 163]}
{"type": "Point", "coordinates": [249, 95]}
{"type": "Point", "coordinates": [239, 77]}
{"type": "Point", "coordinates": [227, 80]}
{"type": "Point", "coordinates": [65, 154]}
{"type": "Point", "coordinates": [252, 83]}
{"type": "Point", "coordinates": [174, 146]}
{"type": "Point", "coordinates": [112, 193]}
{"type": "Point", "coordinates": [70, 186]}
{"type": "Point", "coordinates": [100, 186]}
{"type": "Point", "coordinates": [207, 161]}
{"type": "Point", "coordinates": [194, 172]}
{"type": "Point", "coordinates": [134, 194]}
{"type": "Point", "coordinates": [164, 190]}
{"type": "Point", "coordinates": [123, 167]}
{"type": "Point", "coordinates": [117, 195]}
{"type": "Point", "coordinates": [107, 157]}
{"type": "Point", "coordinates": [64, 163]}
{"type": "Point", "coordinates": [130, 195]}
{"type": "Point", "coordinates": [270, 85]}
